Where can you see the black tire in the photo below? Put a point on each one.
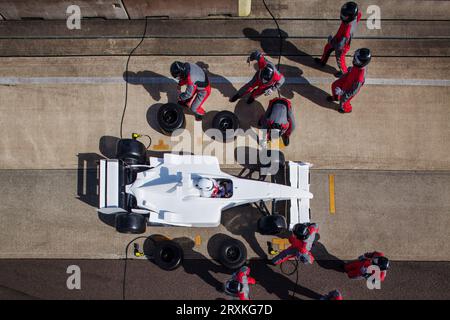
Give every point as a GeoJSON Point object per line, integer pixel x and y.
{"type": "Point", "coordinates": [170, 118]}
{"type": "Point", "coordinates": [168, 255]}
{"type": "Point", "coordinates": [130, 223]}
{"type": "Point", "coordinates": [232, 254]}
{"type": "Point", "coordinates": [131, 151]}
{"type": "Point", "coordinates": [271, 225]}
{"type": "Point", "coordinates": [224, 121]}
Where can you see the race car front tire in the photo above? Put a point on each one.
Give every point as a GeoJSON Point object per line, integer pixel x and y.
{"type": "Point", "coordinates": [168, 255]}
{"type": "Point", "coordinates": [130, 223]}
{"type": "Point", "coordinates": [271, 225]}
{"type": "Point", "coordinates": [170, 118]}
{"type": "Point", "coordinates": [232, 254]}
{"type": "Point", "coordinates": [131, 151]}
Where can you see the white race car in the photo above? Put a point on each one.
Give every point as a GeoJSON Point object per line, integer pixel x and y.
{"type": "Point", "coordinates": [189, 190]}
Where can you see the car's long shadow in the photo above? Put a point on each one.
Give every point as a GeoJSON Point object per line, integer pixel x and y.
{"type": "Point", "coordinates": [275, 282]}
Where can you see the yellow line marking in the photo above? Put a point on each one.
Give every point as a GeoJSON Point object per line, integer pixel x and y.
{"type": "Point", "coordinates": [276, 144]}
{"type": "Point", "coordinates": [198, 241]}
{"type": "Point", "coordinates": [245, 7]}
{"type": "Point", "coordinates": [281, 243]}
{"type": "Point", "coordinates": [331, 191]}
{"type": "Point", "coordinates": [161, 146]}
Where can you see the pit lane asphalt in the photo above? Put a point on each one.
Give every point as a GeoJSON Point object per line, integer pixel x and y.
{"type": "Point", "coordinates": [198, 279]}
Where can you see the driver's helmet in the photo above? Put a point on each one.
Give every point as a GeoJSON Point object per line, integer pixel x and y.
{"type": "Point", "coordinates": [205, 184]}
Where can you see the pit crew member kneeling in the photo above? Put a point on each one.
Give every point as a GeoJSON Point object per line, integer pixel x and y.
{"type": "Point", "coordinates": [359, 269]}
{"type": "Point", "coordinates": [197, 85]}
{"type": "Point", "coordinates": [265, 81]}
{"type": "Point", "coordinates": [238, 285]}
{"type": "Point", "coordinates": [279, 116]}
{"type": "Point", "coordinates": [302, 239]}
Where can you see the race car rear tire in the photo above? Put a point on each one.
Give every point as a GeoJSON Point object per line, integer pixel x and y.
{"type": "Point", "coordinates": [168, 255]}
{"type": "Point", "coordinates": [131, 151]}
{"type": "Point", "coordinates": [170, 118]}
{"type": "Point", "coordinates": [224, 121]}
{"type": "Point", "coordinates": [271, 225]}
{"type": "Point", "coordinates": [232, 254]}
{"type": "Point", "coordinates": [130, 223]}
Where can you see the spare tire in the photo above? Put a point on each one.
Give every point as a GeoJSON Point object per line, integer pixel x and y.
{"type": "Point", "coordinates": [130, 223]}
{"type": "Point", "coordinates": [168, 255]}
{"type": "Point", "coordinates": [225, 121]}
{"type": "Point", "coordinates": [131, 151]}
{"type": "Point", "coordinates": [170, 118]}
{"type": "Point", "coordinates": [232, 254]}
{"type": "Point", "coordinates": [271, 225]}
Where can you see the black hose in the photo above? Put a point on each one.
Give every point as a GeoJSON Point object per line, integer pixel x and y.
{"type": "Point", "coordinates": [281, 39]}
{"type": "Point", "coordinates": [295, 263]}
{"type": "Point", "coordinates": [126, 260]}
{"type": "Point", "coordinates": [126, 77]}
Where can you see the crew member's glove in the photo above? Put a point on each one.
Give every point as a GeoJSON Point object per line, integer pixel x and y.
{"type": "Point", "coordinates": [302, 258]}
{"type": "Point", "coordinates": [268, 92]}
{"type": "Point", "coordinates": [338, 91]}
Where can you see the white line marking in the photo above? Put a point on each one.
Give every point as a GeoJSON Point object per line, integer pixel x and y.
{"type": "Point", "coordinates": [214, 80]}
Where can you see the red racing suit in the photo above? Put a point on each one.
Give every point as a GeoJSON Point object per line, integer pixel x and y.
{"type": "Point", "coordinates": [197, 90]}
{"type": "Point", "coordinates": [279, 112]}
{"type": "Point", "coordinates": [299, 248]}
{"type": "Point", "coordinates": [358, 269]}
{"type": "Point", "coordinates": [243, 277]}
{"type": "Point", "coordinates": [349, 85]}
{"type": "Point", "coordinates": [256, 86]}
{"type": "Point", "coordinates": [332, 295]}
{"type": "Point", "coordinates": [341, 43]}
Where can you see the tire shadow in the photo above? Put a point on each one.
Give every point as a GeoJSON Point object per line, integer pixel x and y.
{"type": "Point", "coordinates": [197, 264]}
{"type": "Point", "coordinates": [152, 117]}
{"type": "Point", "coordinates": [242, 221]}
{"type": "Point", "coordinates": [249, 114]}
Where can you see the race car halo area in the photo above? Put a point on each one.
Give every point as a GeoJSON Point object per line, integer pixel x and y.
{"type": "Point", "coordinates": [243, 149]}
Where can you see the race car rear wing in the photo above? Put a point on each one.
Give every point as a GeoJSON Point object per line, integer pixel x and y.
{"type": "Point", "coordinates": [111, 193]}
{"type": "Point", "coordinates": [299, 177]}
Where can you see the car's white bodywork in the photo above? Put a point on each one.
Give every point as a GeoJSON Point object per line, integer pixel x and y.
{"type": "Point", "coordinates": [167, 191]}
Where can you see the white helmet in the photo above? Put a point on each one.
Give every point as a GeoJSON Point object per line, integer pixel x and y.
{"type": "Point", "coordinates": [205, 184]}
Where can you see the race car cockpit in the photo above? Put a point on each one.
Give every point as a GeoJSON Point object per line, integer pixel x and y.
{"type": "Point", "coordinates": [215, 188]}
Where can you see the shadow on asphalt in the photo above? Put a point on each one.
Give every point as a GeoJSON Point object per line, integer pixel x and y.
{"type": "Point", "coordinates": [275, 282]}
{"type": "Point", "coordinates": [270, 43]}
{"type": "Point", "coordinates": [305, 89]}
{"type": "Point", "coordinates": [87, 181]}
{"type": "Point", "coordinates": [242, 221]}
{"type": "Point", "coordinates": [154, 83]}
{"type": "Point", "coordinates": [152, 117]}
{"type": "Point", "coordinates": [248, 114]}
{"type": "Point", "coordinates": [218, 82]}
{"type": "Point", "coordinates": [199, 265]}
{"type": "Point", "coordinates": [326, 260]}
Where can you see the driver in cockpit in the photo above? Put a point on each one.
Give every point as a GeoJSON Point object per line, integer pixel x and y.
{"type": "Point", "coordinates": [209, 188]}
